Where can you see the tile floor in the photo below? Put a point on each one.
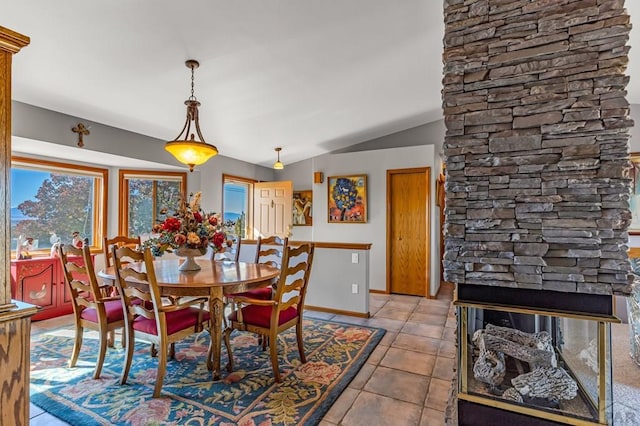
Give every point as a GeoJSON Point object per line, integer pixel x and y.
{"type": "Point", "coordinates": [407, 379]}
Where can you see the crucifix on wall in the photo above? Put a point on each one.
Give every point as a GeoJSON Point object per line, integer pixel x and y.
{"type": "Point", "coordinates": [81, 131]}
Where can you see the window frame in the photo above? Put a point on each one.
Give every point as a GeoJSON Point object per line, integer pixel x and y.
{"type": "Point", "coordinates": [249, 214]}
{"type": "Point", "coordinates": [100, 197]}
{"type": "Point", "coordinates": [123, 190]}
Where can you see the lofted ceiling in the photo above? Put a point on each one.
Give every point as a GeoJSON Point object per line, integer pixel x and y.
{"type": "Point", "coordinates": [310, 76]}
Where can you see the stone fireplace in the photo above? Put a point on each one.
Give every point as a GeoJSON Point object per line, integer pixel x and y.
{"type": "Point", "coordinates": [536, 153]}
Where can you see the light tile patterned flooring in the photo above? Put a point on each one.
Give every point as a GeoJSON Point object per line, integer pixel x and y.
{"type": "Point", "coordinates": [406, 380]}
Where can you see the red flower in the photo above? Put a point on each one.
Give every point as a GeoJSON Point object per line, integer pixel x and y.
{"type": "Point", "coordinates": [171, 224]}
{"type": "Point", "coordinates": [197, 216]}
{"type": "Point", "coordinates": [218, 239]}
{"type": "Point", "coordinates": [180, 239]}
{"type": "Point", "coordinates": [213, 220]}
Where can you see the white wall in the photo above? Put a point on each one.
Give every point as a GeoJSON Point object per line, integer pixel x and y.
{"type": "Point", "coordinates": [375, 165]}
{"type": "Point", "coordinates": [634, 141]}
{"type": "Point", "coordinates": [634, 146]}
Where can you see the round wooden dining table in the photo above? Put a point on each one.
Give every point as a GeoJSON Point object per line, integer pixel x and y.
{"type": "Point", "coordinates": [214, 280]}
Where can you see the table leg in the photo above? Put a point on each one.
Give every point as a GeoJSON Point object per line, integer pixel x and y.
{"type": "Point", "coordinates": [216, 309]}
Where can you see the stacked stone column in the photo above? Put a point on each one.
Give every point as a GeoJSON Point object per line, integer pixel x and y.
{"type": "Point", "coordinates": [537, 162]}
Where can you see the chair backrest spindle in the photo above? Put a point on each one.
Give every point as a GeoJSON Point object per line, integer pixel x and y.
{"type": "Point", "coordinates": [118, 241]}
{"type": "Point", "coordinates": [80, 276]}
{"type": "Point", "coordinates": [269, 250]}
{"type": "Point", "coordinates": [291, 287]}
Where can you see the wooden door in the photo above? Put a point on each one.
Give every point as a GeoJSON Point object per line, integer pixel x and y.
{"type": "Point", "coordinates": [408, 231]}
{"type": "Point", "coordinates": [272, 204]}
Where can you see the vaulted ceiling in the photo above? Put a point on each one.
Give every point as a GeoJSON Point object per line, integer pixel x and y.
{"type": "Point", "coordinates": [310, 76]}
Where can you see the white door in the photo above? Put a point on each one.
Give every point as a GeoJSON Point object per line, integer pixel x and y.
{"type": "Point", "coordinates": [272, 204]}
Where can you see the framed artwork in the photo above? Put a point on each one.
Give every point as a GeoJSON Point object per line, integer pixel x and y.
{"type": "Point", "coordinates": [302, 203]}
{"type": "Point", "coordinates": [347, 199]}
{"type": "Point", "coordinates": [634, 200]}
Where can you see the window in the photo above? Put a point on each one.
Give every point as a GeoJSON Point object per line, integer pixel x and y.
{"type": "Point", "coordinates": [143, 196]}
{"type": "Point", "coordinates": [237, 202]}
{"type": "Point", "coordinates": [50, 201]}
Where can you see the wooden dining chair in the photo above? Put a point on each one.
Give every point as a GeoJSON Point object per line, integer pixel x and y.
{"type": "Point", "coordinates": [119, 241]}
{"type": "Point", "coordinates": [146, 318]}
{"type": "Point", "coordinates": [268, 318]}
{"type": "Point", "coordinates": [91, 309]}
{"type": "Point", "coordinates": [269, 252]}
{"type": "Point", "coordinates": [231, 249]}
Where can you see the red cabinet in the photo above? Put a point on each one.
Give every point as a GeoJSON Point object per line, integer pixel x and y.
{"type": "Point", "coordinates": [40, 281]}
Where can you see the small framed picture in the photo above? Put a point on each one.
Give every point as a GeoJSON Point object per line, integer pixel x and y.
{"type": "Point", "coordinates": [302, 203]}
{"type": "Point", "coordinates": [347, 199]}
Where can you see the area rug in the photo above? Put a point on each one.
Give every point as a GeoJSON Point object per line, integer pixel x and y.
{"type": "Point", "coordinates": [248, 396]}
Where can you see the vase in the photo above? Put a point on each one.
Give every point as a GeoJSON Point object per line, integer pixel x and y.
{"type": "Point", "coordinates": [190, 263]}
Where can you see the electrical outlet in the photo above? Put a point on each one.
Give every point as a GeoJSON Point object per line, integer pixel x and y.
{"type": "Point", "coordinates": [354, 257]}
{"type": "Point", "coordinates": [354, 288]}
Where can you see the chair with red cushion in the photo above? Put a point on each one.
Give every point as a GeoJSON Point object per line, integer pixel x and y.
{"type": "Point", "coordinates": [268, 251]}
{"type": "Point", "coordinates": [91, 309]}
{"type": "Point", "coordinates": [146, 317]}
{"type": "Point", "coordinates": [119, 241]}
{"type": "Point", "coordinates": [268, 318]}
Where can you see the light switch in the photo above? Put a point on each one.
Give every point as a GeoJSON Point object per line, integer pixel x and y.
{"type": "Point", "coordinates": [354, 257]}
{"type": "Point", "coordinates": [354, 288]}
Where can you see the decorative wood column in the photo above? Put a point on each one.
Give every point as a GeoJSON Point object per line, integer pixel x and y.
{"type": "Point", "coordinates": [15, 317]}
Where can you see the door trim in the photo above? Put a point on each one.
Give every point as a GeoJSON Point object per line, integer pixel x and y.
{"type": "Point", "coordinates": [427, 172]}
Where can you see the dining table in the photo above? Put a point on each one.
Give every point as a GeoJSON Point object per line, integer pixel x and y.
{"type": "Point", "coordinates": [215, 279]}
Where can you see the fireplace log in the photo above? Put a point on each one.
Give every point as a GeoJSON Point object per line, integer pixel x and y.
{"type": "Point", "coordinates": [535, 357]}
{"type": "Point", "coordinates": [546, 382]}
{"type": "Point", "coordinates": [490, 367]}
{"type": "Point", "coordinates": [512, 394]}
{"type": "Point", "coordinates": [540, 340]}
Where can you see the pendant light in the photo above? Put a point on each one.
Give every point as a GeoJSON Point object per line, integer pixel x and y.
{"type": "Point", "coordinates": [185, 148]}
{"type": "Point", "coordinates": [278, 164]}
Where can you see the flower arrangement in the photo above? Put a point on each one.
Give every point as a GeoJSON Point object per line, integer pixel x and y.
{"type": "Point", "coordinates": [189, 227]}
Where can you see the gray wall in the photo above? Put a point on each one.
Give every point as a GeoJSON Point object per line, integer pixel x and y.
{"type": "Point", "coordinates": [43, 133]}
{"type": "Point", "coordinates": [46, 134]}
{"type": "Point", "coordinates": [41, 124]}
{"type": "Point", "coordinates": [332, 276]}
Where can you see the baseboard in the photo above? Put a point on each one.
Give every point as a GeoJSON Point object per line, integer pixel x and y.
{"type": "Point", "coordinates": [378, 291]}
{"type": "Point", "coordinates": [337, 311]}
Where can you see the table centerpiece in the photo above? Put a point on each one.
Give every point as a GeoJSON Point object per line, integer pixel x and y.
{"type": "Point", "coordinates": [188, 232]}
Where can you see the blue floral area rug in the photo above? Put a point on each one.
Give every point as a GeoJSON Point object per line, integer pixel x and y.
{"type": "Point", "coordinates": [248, 396]}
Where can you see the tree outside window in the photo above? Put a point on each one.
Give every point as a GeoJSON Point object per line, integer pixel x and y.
{"type": "Point", "coordinates": [145, 195]}
{"type": "Point", "coordinates": [50, 201]}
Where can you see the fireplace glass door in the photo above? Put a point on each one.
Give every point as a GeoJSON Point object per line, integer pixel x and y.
{"type": "Point", "coordinates": [552, 366]}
